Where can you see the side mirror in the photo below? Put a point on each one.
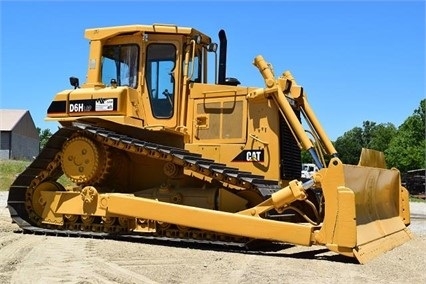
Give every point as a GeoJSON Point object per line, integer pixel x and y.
{"type": "Point", "coordinates": [74, 82]}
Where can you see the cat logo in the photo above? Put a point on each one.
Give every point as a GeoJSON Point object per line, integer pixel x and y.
{"type": "Point", "coordinates": [250, 156]}
{"type": "Point", "coordinates": [253, 156]}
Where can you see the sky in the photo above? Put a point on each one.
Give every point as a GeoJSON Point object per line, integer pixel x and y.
{"type": "Point", "coordinates": [357, 60]}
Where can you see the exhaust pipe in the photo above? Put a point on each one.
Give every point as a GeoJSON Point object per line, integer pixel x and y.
{"type": "Point", "coordinates": [222, 57]}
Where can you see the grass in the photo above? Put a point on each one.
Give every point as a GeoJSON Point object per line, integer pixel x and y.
{"type": "Point", "coordinates": [10, 169]}
{"type": "Point", "coordinates": [416, 199]}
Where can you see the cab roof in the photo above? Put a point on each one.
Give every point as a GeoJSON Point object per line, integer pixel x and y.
{"type": "Point", "coordinates": [103, 33]}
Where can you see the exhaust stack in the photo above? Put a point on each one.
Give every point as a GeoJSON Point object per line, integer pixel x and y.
{"type": "Point", "coordinates": [222, 57]}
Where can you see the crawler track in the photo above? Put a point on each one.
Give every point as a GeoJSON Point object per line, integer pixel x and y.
{"type": "Point", "coordinates": [46, 167]}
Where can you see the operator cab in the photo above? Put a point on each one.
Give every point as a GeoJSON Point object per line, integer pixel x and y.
{"type": "Point", "coordinates": [140, 75]}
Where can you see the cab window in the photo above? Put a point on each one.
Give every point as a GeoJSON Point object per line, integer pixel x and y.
{"type": "Point", "coordinates": [195, 68]}
{"type": "Point", "coordinates": [120, 63]}
{"type": "Point", "coordinates": [160, 64]}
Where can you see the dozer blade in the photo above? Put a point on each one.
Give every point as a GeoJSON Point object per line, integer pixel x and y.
{"type": "Point", "coordinates": [378, 201]}
{"type": "Point", "coordinates": [380, 209]}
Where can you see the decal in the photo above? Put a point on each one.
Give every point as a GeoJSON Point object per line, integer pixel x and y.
{"type": "Point", "coordinates": [104, 105]}
{"type": "Point", "coordinates": [250, 156]}
{"type": "Point", "coordinates": [93, 105]}
{"type": "Point", "coordinates": [80, 107]}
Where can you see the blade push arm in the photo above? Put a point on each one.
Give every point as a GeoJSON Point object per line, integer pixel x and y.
{"type": "Point", "coordinates": [287, 85]}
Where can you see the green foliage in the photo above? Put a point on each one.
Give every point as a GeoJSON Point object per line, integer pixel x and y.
{"type": "Point", "coordinates": [381, 136]}
{"type": "Point", "coordinates": [404, 147]}
{"type": "Point", "coordinates": [9, 169]}
{"type": "Point", "coordinates": [415, 199]}
{"type": "Point", "coordinates": [371, 135]}
{"type": "Point", "coordinates": [306, 157]}
{"type": "Point", "coordinates": [407, 148]}
{"type": "Point", "coordinates": [349, 145]}
{"type": "Point", "coordinates": [44, 135]}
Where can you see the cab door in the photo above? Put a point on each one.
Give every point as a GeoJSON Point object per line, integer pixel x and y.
{"type": "Point", "coordinates": [162, 79]}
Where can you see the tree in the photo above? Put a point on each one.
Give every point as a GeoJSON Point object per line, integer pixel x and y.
{"type": "Point", "coordinates": [371, 135]}
{"type": "Point", "coordinates": [44, 135]}
{"type": "Point", "coordinates": [349, 145]}
{"type": "Point", "coordinates": [381, 136]}
{"type": "Point", "coordinates": [306, 157]}
{"type": "Point", "coordinates": [406, 150]}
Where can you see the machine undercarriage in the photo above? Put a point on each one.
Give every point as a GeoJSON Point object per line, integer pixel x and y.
{"type": "Point", "coordinates": [217, 186]}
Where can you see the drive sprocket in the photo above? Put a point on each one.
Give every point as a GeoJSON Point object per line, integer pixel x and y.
{"type": "Point", "coordinates": [85, 161]}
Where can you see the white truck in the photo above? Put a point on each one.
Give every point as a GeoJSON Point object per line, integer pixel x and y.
{"type": "Point", "coordinates": [308, 170]}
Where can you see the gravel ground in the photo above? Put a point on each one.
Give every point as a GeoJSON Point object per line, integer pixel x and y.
{"type": "Point", "coordinates": [26, 258]}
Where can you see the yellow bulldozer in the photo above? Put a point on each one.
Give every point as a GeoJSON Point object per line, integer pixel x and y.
{"type": "Point", "coordinates": [151, 149]}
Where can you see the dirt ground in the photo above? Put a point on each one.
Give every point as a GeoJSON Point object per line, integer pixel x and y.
{"type": "Point", "coordinates": [26, 258]}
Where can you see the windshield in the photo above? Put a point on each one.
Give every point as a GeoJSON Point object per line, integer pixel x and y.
{"type": "Point", "coordinates": [120, 62]}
